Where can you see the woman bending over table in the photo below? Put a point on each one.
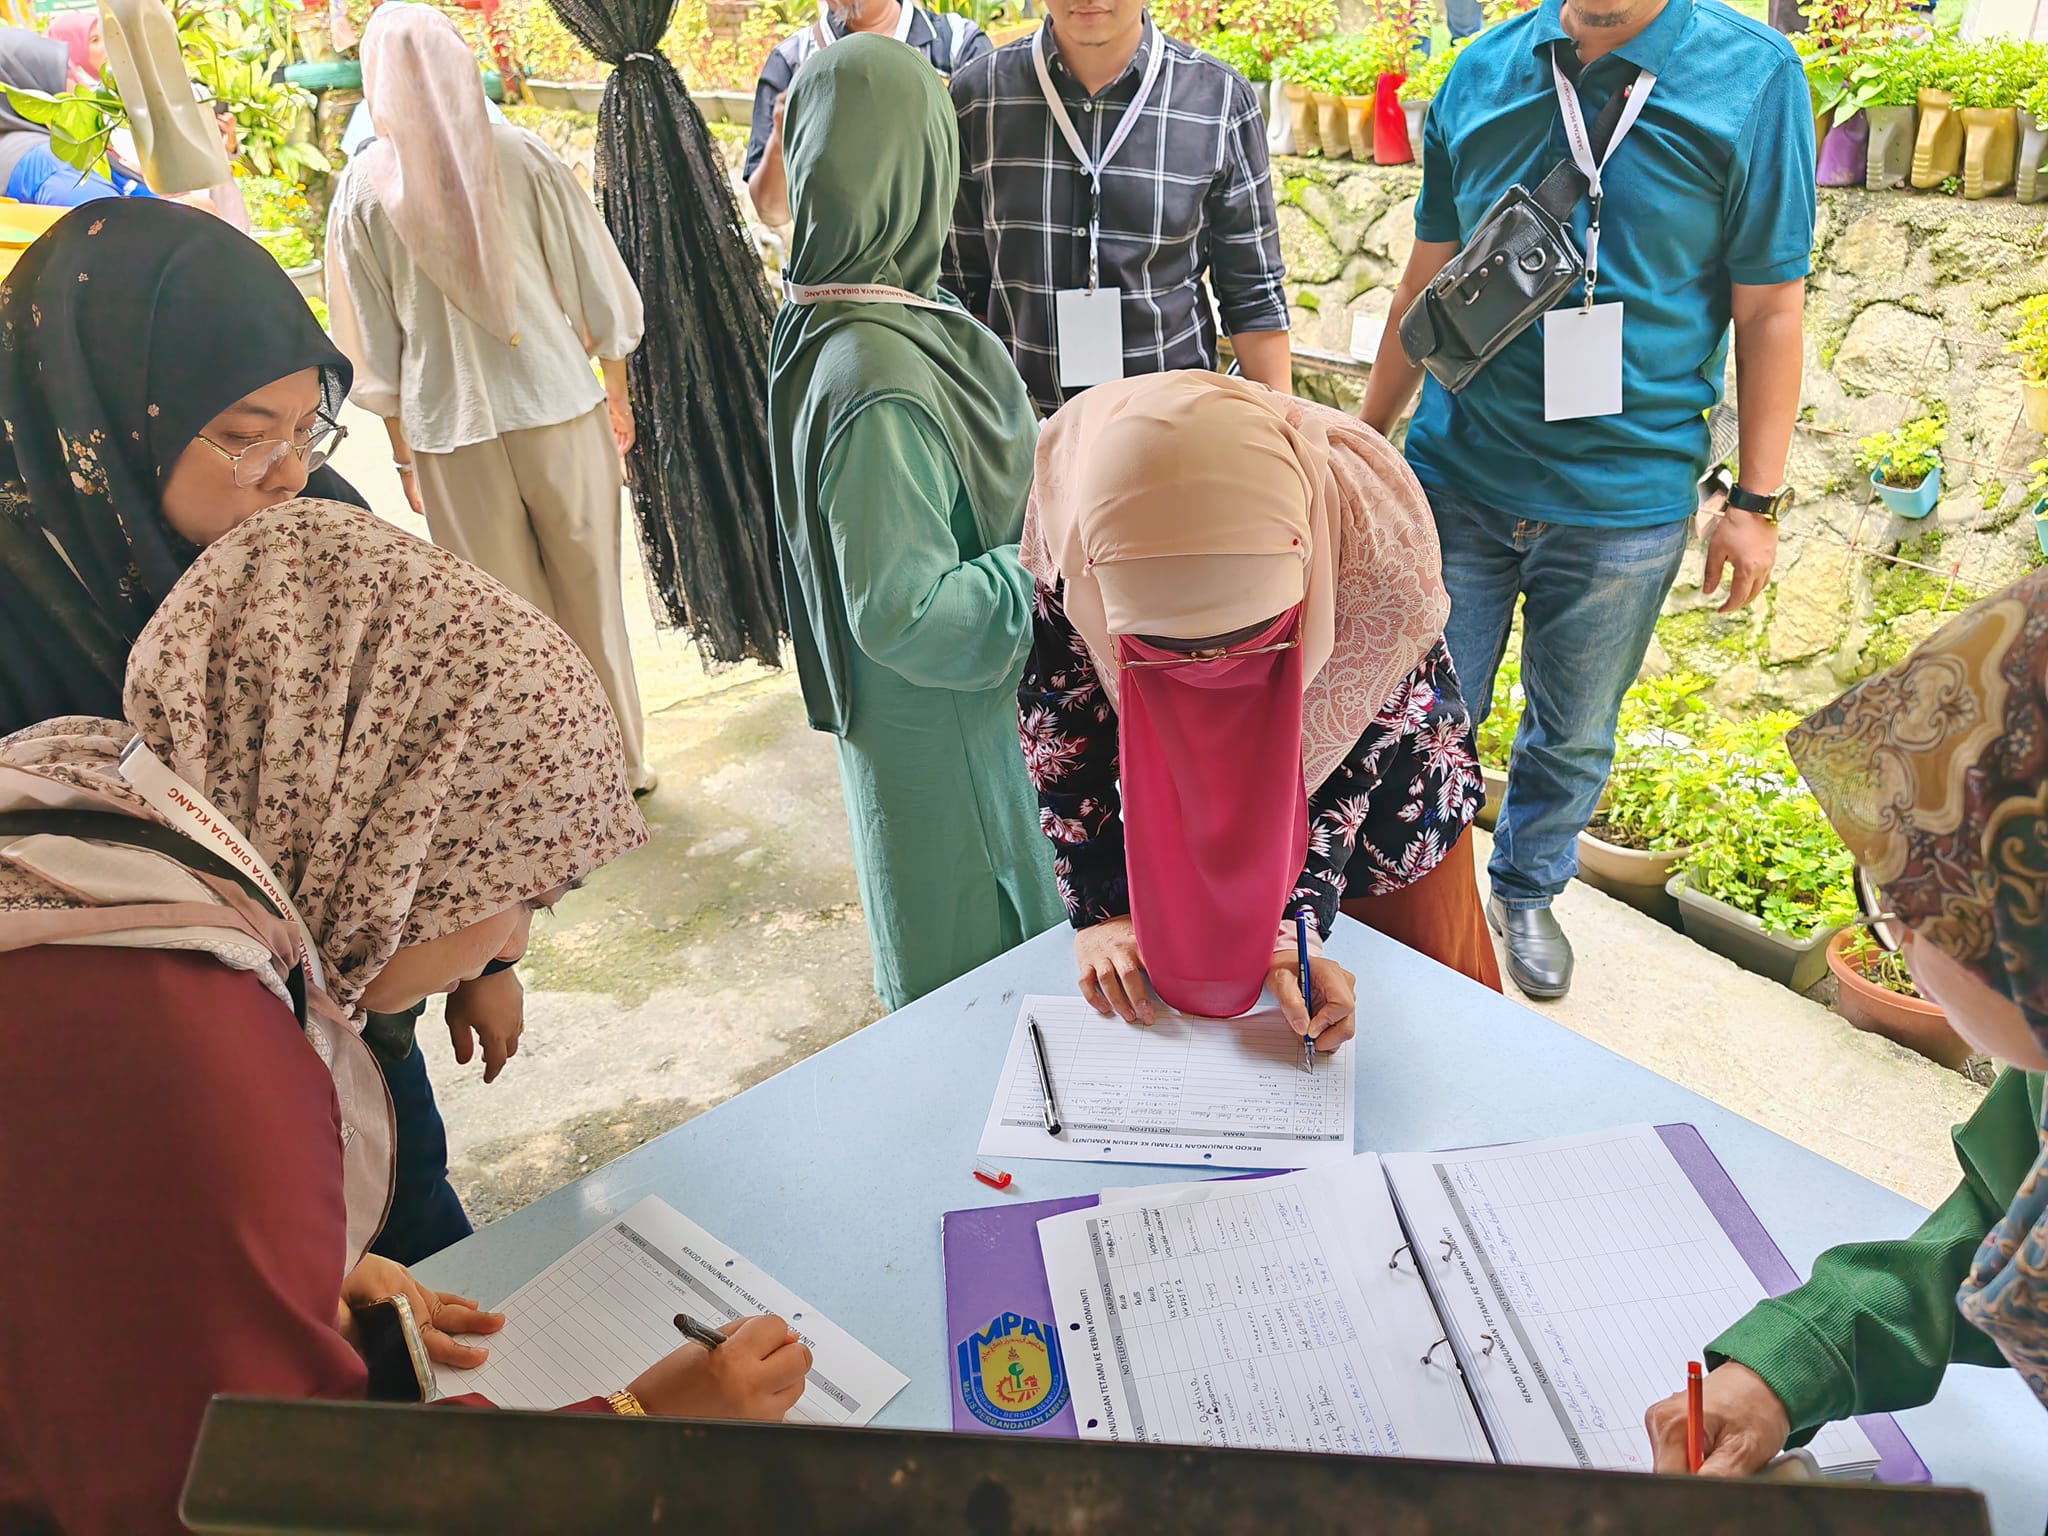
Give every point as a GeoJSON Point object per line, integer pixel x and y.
{"type": "Point", "coordinates": [1238, 703]}
{"type": "Point", "coordinates": [1935, 774]}
{"type": "Point", "coordinates": [187, 1115]}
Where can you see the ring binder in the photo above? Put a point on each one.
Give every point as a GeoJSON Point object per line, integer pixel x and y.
{"type": "Point", "coordinates": [1449, 1249]}
{"type": "Point", "coordinates": [1492, 1338]}
{"type": "Point", "coordinates": [1394, 1259]}
{"type": "Point", "coordinates": [1429, 1355]}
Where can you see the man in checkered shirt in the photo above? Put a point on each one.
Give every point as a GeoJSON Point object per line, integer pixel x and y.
{"type": "Point", "coordinates": [1187, 200]}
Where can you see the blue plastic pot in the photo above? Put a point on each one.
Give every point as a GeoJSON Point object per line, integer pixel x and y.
{"type": "Point", "coordinates": [1915, 503]}
{"type": "Point", "coordinates": [2041, 530]}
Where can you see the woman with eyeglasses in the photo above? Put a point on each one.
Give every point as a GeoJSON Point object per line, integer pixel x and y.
{"type": "Point", "coordinates": [162, 381]}
{"type": "Point", "coordinates": [1238, 704]}
{"type": "Point", "coordinates": [1935, 774]}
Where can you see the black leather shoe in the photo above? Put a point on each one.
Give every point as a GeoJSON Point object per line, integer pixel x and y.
{"type": "Point", "coordinates": [1539, 955]}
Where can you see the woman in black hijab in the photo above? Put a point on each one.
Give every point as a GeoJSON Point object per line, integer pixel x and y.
{"type": "Point", "coordinates": [161, 380]}
{"type": "Point", "coordinates": [135, 340]}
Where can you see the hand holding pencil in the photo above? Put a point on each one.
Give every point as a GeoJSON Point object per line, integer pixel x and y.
{"type": "Point", "coordinates": [1741, 1425]}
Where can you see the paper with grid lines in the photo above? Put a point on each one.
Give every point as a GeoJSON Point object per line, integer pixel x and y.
{"type": "Point", "coordinates": [1576, 1277]}
{"type": "Point", "coordinates": [602, 1313]}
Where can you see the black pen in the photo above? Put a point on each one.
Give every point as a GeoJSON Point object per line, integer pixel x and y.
{"type": "Point", "coordinates": [1052, 1109]}
{"type": "Point", "coordinates": [697, 1332]}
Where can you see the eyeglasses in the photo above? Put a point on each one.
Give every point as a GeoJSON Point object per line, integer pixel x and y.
{"type": "Point", "coordinates": [1886, 929]}
{"type": "Point", "coordinates": [254, 463]}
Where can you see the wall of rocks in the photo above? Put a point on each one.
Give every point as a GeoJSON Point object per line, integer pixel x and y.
{"type": "Point", "coordinates": [1910, 303]}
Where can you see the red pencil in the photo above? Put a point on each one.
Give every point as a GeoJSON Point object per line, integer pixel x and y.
{"type": "Point", "coordinates": [1695, 1416]}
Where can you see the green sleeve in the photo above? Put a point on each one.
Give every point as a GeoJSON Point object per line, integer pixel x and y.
{"type": "Point", "coordinates": [1877, 1325]}
{"type": "Point", "coordinates": [889, 489]}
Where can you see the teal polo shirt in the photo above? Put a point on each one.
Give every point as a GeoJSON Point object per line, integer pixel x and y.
{"type": "Point", "coordinates": [1712, 186]}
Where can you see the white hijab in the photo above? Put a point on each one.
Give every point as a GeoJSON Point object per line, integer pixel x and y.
{"type": "Point", "coordinates": [435, 162]}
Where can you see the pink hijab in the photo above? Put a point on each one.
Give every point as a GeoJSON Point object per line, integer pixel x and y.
{"type": "Point", "coordinates": [74, 29]}
{"type": "Point", "coordinates": [435, 162]}
{"type": "Point", "coordinates": [1190, 505]}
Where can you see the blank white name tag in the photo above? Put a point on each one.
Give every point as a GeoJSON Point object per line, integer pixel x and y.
{"type": "Point", "coordinates": [1582, 362]}
{"type": "Point", "coordinates": [1090, 335]}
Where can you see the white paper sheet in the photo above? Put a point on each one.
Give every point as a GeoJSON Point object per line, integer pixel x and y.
{"type": "Point", "coordinates": [1254, 1313]}
{"type": "Point", "coordinates": [1577, 1277]}
{"type": "Point", "coordinates": [602, 1313]}
{"type": "Point", "coordinates": [1211, 1093]}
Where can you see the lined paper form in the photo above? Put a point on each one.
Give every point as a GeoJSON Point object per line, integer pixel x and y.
{"type": "Point", "coordinates": [602, 1313]}
{"type": "Point", "coordinates": [1577, 1277]}
{"type": "Point", "coordinates": [1253, 1313]}
{"type": "Point", "coordinates": [1219, 1093]}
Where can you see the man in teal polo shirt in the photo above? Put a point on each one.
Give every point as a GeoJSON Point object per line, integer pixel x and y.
{"type": "Point", "coordinates": [1707, 214]}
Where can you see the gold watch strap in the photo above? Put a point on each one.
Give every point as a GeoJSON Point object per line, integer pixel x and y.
{"type": "Point", "coordinates": [626, 1405]}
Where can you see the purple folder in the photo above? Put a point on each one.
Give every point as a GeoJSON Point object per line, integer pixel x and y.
{"type": "Point", "coordinates": [999, 1309]}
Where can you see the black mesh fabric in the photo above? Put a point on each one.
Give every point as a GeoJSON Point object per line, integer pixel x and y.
{"type": "Point", "coordinates": [699, 470]}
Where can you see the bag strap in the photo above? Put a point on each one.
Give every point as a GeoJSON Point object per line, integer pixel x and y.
{"type": "Point", "coordinates": [1560, 191]}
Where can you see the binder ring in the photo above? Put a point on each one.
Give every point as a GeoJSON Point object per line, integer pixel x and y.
{"type": "Point", "coordinates": [1394, 1259]}
{"type": "Point", "coordinates": [1492, 1338]}
{"type": "Point", "coordinates": [1449, 1249]}
{"type": "Point", "coordinates": [1429, 1355]}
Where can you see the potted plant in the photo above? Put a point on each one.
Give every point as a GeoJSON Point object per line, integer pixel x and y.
{"type": "Point", "coordinates": [1767, 883]}
{"type": "Point", "coordinates": [1938, 142]}
{"type": "Point", "coordinates": [1315, 110]}
{"type": "Point", "coordinates": [1988, 93]}
{"type": "Point", "coordinates": [1661, 787]}
{"type": "Point", "coordinates": [1905, 464]}
{"type": "Point", "coordinates": [1877, 996]}
{"type": "Point", "coordinates": [1497, 733]}
{"type": "Point", "coordinates": [2037, 499]}
{"type": "Point", "coordinates": [290, 249]}
{"type": "Point", "coordinates": [1243, 54]}
{"type": "Point", "coordinates": [2029, 186]}
{"type": "Point", "coordinates": [2030, 341]}
{"type": "Point", "coordinates": [560, 73]}
{"type": "Point", "coordinates": [1355, 80]}
{"type": "Point", "coordinates": [1403, 28]}
{"type": "Point", "coordinates": [1885, 83]}
{"type": "Point", "coordinates": [1267, 31]}
{"type": "Point", "coordinates": [1840, 129]}
{"type": "Point", "coordinates": [1424, 80]}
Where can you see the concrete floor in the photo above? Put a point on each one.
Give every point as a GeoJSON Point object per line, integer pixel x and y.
{"type": "Point", "coordinates": [733, 946]}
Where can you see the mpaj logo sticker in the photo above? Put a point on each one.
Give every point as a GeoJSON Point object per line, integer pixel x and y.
{"type": "Point", "coordinates": [1010, 1375]}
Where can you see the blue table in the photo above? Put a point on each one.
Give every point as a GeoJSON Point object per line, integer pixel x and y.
{"type": "Point", "coordinates": [833, 1175]}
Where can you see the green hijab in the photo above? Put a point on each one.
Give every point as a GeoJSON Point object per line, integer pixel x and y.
{"type": "Point", "coordinates": [873, 159]}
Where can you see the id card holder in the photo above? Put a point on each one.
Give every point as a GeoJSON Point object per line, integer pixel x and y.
{"type": "Point", "coordinates": [1582, 362]}
{"type": "Point", "coordinates": [1089, 334]}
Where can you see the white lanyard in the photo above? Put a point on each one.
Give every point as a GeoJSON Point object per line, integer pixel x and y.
{"type": "Point", "coordinates": [1095, 168]}
{"type": "Point", "coordinates": [1582, 151]}
{"type": "Point", "coordinates": [825, 37]}
{"type": "Point", "coordinates": [860, 293]}
{"type": "Point", "coordinates": [197, 819]}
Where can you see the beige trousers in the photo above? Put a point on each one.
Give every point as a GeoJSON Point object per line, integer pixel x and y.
{"type": "Point", "coordinates": [539, 510]}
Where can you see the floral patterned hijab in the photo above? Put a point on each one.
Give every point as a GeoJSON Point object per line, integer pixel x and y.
{"type": "Point", "coordinates": [1935, 774]}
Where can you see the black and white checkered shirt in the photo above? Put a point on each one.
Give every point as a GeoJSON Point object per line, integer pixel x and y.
{"type": "Point", "coordinates": [1189, 196]}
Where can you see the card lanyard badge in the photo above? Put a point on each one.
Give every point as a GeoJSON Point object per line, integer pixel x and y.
{"type": "Point", "coordinates": [1582, 343]}
{"type": "Point", "coordinates": [1089, 322]}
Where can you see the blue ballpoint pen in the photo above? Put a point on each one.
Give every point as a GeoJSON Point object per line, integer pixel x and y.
{"type": "Point", "coordinates": [1308, 1042]}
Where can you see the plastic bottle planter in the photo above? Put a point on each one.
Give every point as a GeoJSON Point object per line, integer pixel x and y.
{"type": "Point", "coordinates": [1990, 142]}
{"type": "Point", "coordinates": [1888, 163]}
{"type": "Point", "coordinates": [2034, 399]}
{"type": "Point", "coordinates": [1415, 112]}
{"type": "Point", "coordinates": [1301, 117]}
{"type": "Point", "coordinates": [1330, 130]}
{"type": "Point", "coordinates": [1844, 154]}
{"type": "Point", "coordinates": [1938, 146]}
{"type": "Point", "coordinates": [1390, 144]}
{"type": "Point", "coordinates": [2029, 185]}
{"type": "Point", "coordinates": [2041, 526]}
{"type": "Point", "coordinates": [1358, 126]}
{"type": "Point", "coordinates": [1914, 502]}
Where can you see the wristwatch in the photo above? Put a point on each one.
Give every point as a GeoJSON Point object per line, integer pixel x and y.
{"type": "Point", "coordinates": [1770, 508]}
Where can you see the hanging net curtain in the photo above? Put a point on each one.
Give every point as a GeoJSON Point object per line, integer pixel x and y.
{"type": "Point", "coordinates": [699, 470]}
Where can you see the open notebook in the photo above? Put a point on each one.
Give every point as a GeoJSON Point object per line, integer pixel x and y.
{"type": "Point", "coordinates": [1521, 1304]}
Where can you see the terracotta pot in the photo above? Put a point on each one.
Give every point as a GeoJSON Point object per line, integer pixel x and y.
{"type": "Point", "coordinates": [1301, 117]}
{"type": "Point", "coordinates": [1844, 154]}
{"type": "Point", "coordinates": [1938, 145]}
{"type": "Point", "coordinates": [1358, 126]}
{"type": "Point", "coordinates": [1630, 875]}
{"type": "Point", "coordinates": [1735, 935]}
{"type": "Point", "coordinates": [2029, 185]}
{"type": "Point", "coordinates": [1390, 144]}
{"type": "Point", "coordinates": [1331, 133]}
{"type": "Point", "coordinates": [1912, 1022]}
{"type": "Point", "coordinates": [1990, 144]}
{"type": "Point", "coordinates": [1888, 162]}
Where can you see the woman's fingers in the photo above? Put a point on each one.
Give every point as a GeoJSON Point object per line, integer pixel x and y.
{"type": "Point", "coordinates": [1091, 992]}
{"type": "Point", "coordinates": [1131, 977]}
{"type": "Point", "coordinates": [1119, 1000]}
{"type": "Point", "coordinates": [456, 1314]}
{"type": "Point", "coordinates": [1285, 986]}
{"type": "Point", "coordinates": [443, 1349]}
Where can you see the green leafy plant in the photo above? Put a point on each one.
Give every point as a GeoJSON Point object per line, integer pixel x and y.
{"type": "Point", "coordinates": [1841, 39]}
{"type": "Point", "coordinates": [237, 61]}
{"type": "Point", "coordinates": [1321, 65]}
{"type": "Point", "coordinates": [289, 248]}
{"type": "Point", "coordinates": [1494, 12]}
{"type": "Point", "coordinates": [2030, 341]}
{"type": "Point", "coordinates": [1504, 715]}
{"type": "Point", "coordinates": [1427, 77]}
{"type": "Point", "coordinates": [1241, 53]}
{"type": "Point", "coordinates": [1662, 789]}
{"type": "Point", "coordinates": [1769, 850]}
{"type": "Point", "coordinates": [547, 50]}
{"type": "Point", "coordinates": [1907, 455]}
{"type": "Point", "coordinates": [1276, 27]}
{"type": "Point", "coordinates": [81, 121]}
{"type": "Point", "coordinates": [1997, 72]}
{"type": "Point", "coordinates": [1880, 967]}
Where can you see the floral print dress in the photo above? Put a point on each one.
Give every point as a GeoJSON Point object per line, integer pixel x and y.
{"type": "Point", "coordinates": [1384, 818]}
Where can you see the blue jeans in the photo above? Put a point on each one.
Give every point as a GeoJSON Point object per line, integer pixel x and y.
{"type": "Point", "coordinates": [426, 1214]}
{"type": "Point", "coordinates": [1464, 17]}
{"type": "Point", "coordinates": [1592, 596]}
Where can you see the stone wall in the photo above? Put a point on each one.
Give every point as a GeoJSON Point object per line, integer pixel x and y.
{"type": "Point", "coordinates": [1910, 303]}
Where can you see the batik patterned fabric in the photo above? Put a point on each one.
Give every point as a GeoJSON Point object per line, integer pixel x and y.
{"type": "Point", "coordinates": [1935, 773]}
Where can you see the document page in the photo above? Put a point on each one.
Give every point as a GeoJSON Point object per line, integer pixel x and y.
{"type": "Point", "coordinates": [602, 1313]}
{"type": "Point", "coordinates": [1577, 1277]}
{"type": "Point", "coordinates": [1254, 1313]}
{"type": "Point", "coordinates": [1215, 1093]}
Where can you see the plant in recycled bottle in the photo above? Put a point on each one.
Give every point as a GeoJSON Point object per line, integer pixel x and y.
{"type": "Point", "coordinates": [1276, 27]}
{"type": "Point", "coordinates": [1427, 76]}
{"type": "Point", "coordinates": [1907, 455]}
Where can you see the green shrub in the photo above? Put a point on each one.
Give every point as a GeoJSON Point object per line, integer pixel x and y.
{"type": "Point", "coordinates": [1907, 455]}
{"type": "Point", "coordinates": [1661, 790]}
{"type": "Point", "coordinates": [1426, 79]}
{"type": "Point", "coordinates": [1504, 716]}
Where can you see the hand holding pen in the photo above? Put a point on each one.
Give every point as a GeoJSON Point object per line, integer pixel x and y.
{"type": "Point", "coordinates": [1333, 1018]}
